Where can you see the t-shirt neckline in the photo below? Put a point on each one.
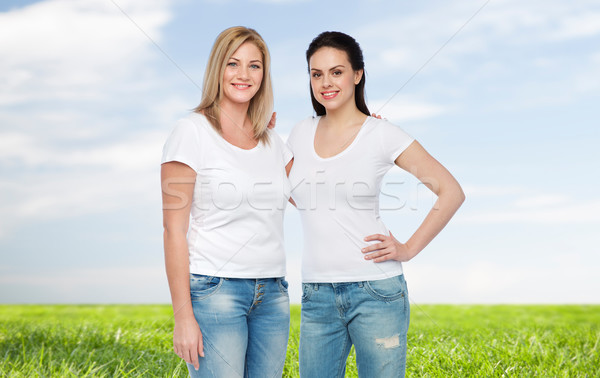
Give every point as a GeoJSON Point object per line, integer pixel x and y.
{"type": "Point", "coordinates": [344, 151]}
{"type": "Point", "coordinates": [219, 136]}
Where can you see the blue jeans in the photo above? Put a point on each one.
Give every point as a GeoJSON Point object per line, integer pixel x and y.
{"type": "Point", "coordinates": [245, 325]}
{"type": "Point", "coordinates": [372, 315]}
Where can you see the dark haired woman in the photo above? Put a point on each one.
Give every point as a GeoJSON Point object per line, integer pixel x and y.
{"type": "Point", "coordinates": [354, 290]}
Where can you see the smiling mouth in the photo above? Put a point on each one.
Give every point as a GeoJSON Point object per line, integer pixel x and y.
{"type": "Point", "coordinates": [241, 86]}
{"type": "Point", "coordinates": [329, 95]}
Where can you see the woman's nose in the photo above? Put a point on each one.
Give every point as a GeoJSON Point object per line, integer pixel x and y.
{"type": "Point", "coordinates": [245, 72]}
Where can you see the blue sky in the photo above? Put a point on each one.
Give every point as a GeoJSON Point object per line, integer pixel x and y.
{"type": "Point", "coordinates": [509, 105]}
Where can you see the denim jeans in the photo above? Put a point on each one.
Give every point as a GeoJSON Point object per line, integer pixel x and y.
{"type": "Point", "coordinates": [245, 325]}
{"type": "Point", "coordinates": [372, 315]}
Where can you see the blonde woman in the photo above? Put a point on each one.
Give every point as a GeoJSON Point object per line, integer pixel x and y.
{"type": "Point", "coordinates": [225, 188]}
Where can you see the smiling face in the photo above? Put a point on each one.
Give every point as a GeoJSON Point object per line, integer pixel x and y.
{"type": "Point", "coordinates": [332, 78]}
{"type": "Point", "coordinates": [243, 74]}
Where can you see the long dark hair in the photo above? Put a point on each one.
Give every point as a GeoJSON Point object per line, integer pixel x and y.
{"type": "Point", "coordinates": [343, 42]}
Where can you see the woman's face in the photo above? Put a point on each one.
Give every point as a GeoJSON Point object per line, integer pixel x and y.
{"type": "Point", "coordinates": [243, 74]}
{"type": "Point", "coordinates": [332, 78]}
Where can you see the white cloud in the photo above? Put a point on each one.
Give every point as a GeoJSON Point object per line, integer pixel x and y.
{"type": "Point", "coordinates": [584, 24]}
{"type": "Point", "coordinates": [559, 213]}
{"type": "Point", "coordinates": [395, 57]}
{"type": "Point", "coordinates": [520, 22]}
{"type": "Point", "coordinates": [499, 51]}
{"type": "Point", "coordinates": [516, 204]}
{"type": "Point", "coordinates": [68, 49]}
{"type": "Point", "coordinates": [138, 152]}
{"type": "Point", "coordinates": [79, 180]}
{"type": "Point", "coordinates": [542, 201]}
{"type": "Point", "coordinates": [406, 42]}
{"type": "Point", "coordinates": [15, 145]}
{"type": "Point", "coordinates": [492, 282]}
{"type": "Point", "coordinates": [486, 191]}
{"type": "Point", "coordinates": [401, 109]}
{"type": "Point", "coordinates": [131, 284]}
{"type": "Point", "coordinates": [72, 75]}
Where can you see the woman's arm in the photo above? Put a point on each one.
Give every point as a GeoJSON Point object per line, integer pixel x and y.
{"type": "Point", "coordinates": [177, 181]}
{"type": "Point", "coordinates": [450, 195]}
{"type": "Point", "coordinates": [288, 168]}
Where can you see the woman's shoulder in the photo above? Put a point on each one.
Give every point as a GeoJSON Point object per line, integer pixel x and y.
{"type": "Point", "coordinates": [379, 123]}
{"type": "Point", "coordinates": [193, 124]}
{"type": "Point", "coordinates": [391, 137]}
{"type": "Point", "coordinates": [274, 137]}
{"type": "Point", "coordinates": [304, 126]}
{"type": "Point", "coordinates": [306, 121]}
{"type": "Point", "coordinates": [186, 143]}
{"type": "Point", "coordinates": [385, 127]}
{"type": "Point", "coordinates": [197, 119]}
{"type": "Point", "coordinates": [301, 130]}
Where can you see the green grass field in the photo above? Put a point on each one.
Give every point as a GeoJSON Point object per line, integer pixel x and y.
{"type": "Point", "coordinates": [444, 341]}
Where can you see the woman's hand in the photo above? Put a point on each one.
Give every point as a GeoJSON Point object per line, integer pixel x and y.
{"type": "Point", "coordinates": [388, 249]}
{"type": "Point", "coordinates": [187, 341]}
{"type": "Point", "coordinates": [271, 124]}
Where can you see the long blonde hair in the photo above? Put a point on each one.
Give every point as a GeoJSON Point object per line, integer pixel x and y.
{"type": "Point", "coordinates": [261, 105]}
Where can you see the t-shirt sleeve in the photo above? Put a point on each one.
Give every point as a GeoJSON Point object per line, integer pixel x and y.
{"type": "Point", "coordinates": [394, 140]}
{"type": "Point", "coordinates": [183, 145]}
{"type": "Point", "coordinates": [292, 140]}
{"type": "Point", "coordinates": [286, 152]}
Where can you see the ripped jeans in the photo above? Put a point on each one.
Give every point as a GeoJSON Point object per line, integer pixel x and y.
{"type": "Point", "coordinates": [372, 315]}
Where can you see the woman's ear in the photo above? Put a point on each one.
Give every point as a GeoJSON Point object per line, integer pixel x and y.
{"type": "Point", "coordinates": [357, 76]}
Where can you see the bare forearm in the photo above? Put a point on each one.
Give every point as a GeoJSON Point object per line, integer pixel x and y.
{"type": "Point", "coordinates": [178, 273]}
{"type": "Point", "coordinates": [450, 196]}
{"type": "Point", "coordinates": [438, 217]}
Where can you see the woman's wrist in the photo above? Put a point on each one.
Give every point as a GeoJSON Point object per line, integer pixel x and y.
{"type": "Point", "coordinates": [183, 317]}
{"type": "Point", "coordinates": [183, 313]}
{"type": "Point", "coordinates": [411, 250]}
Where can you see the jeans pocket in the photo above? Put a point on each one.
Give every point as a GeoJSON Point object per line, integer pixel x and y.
{"type": "Point", "coordinates": [202, 286]}
{"type": "Point", "coordinates": [283, 286]}
{"type": "Point", "coordinates": [387, 290]}
{"type": "Point", "coordinates": [306, 292]}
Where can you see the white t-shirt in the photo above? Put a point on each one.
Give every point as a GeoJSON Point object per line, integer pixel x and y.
{"type": "Point", "coordinates": [236, 225]}
{"type": "Point", "coordinates": [338, 200]}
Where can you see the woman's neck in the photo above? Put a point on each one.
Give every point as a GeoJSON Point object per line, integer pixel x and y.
{"type": "Point", "coordinates": [234, 116]}
{"type": "Point", "coordinates": [342, 118]}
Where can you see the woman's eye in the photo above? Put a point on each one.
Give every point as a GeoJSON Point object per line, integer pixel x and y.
{"type": "Point", "coordinates": [315, 74]}
{"type": "Point", "coordinates": [255, 66]}
{"type": "Point", "coordinates": [232, 64]}
{"type": "Point", "coordinates": [337, 73]}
